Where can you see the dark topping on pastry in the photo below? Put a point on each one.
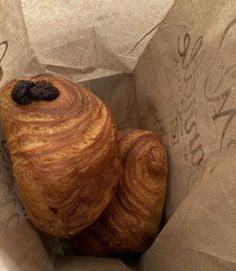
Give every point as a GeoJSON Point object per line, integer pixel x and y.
{"type": "Point", "coordinates": [24, 91]}
{"type": "Point", "coordinates": [19, 92]}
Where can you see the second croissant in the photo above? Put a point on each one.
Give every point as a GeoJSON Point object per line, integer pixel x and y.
{"type": "Point", "coordinates": [131, 221]}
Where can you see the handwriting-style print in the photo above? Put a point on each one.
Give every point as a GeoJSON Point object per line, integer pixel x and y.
{"type": "Point", "coordinates": [221, 94]}
{"type": "Point", "coordinates": [191, 55]}
{"type": "Point", "coordinates": [4, 46]}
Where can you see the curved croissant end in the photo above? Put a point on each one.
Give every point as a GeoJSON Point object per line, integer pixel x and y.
{"type": "Point", "coordinates": [131, 221]}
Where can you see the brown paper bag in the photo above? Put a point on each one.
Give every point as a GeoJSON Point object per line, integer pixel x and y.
{"type": "Point", "coordinates": [182, 88]}
{"type": "Point", "coordinates": [201, 233]}
{"type": "Point", "coordinates": [185, 83]}
{"type": "Point", "coordinates": [185, 88]}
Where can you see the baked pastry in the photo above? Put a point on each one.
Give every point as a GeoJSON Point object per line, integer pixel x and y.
{"type": "Point", "coordinates": [131, 221]}
{"type": "Point", "coordinates": [62, 142]}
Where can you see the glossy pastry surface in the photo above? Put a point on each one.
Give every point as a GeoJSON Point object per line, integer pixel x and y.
{"type": "Point", "coordinates": [131, 221]}
{"type": "Point", "coordinates": [64, 155]}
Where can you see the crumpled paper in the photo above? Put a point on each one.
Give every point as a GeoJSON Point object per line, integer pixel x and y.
{"type": "Point", "coordinates": [185, 83]}
{"type": "Point", "coordinates": [91, 37]}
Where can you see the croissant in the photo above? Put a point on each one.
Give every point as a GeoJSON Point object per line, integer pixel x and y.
{"type": "Point", "coordinates": [64, 151]}
{"type": "Point", "coordinates": [131, 221]}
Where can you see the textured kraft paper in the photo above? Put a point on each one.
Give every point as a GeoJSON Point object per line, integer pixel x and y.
{"type": "Point", "coordinates": [89, 264]}
{"type": "Point", "coordinates": [91, 38]}
{"type": "Point", "coordinates": [89, 42]}
{"type": "Point", "coordinates": [201, 234]}
{"type": "Point", "coordinates": [185, 83]}
{"type": "Point", "coordinates": [20, 246]}
{"type": "Point", "coordinates": [184, 90]}
{"type": "Point", "coordinates": [181, 86]}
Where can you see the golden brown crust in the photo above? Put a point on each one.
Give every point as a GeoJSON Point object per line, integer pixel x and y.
{"type": "Point", "coordinates": [131, 221]}
{"type": "Point", "coordinates": [64, 155]}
